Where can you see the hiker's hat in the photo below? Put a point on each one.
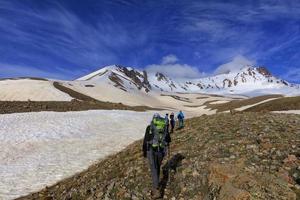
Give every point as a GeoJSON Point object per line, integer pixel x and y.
{"type": "Point", "coordinates": [156, 115]}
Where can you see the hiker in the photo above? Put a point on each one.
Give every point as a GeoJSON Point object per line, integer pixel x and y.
{"type": "Point", "coordinates": [180, 118]}
{"type": "Point", "coordinates": [155, 144]}
{"type": "Point", "coordinates": [172, 122]}
{"type": "Point", "coordinates": [167, 121]}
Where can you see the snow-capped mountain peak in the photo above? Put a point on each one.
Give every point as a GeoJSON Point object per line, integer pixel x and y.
{"type": "Point", "coordinates": [124, 78]}
{"type": "Point", "coordinates": [245, 80]}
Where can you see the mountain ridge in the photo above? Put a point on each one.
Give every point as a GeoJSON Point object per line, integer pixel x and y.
{"type": "Point", "coordinates": [247, 79]}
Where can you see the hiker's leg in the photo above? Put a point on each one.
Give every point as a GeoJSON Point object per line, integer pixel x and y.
{"type": "Point", "coordinates": [154, 167]}
{"type": "Point", "coordinates": [152, 163]}
{"type": "Point", "coordinates": [160, 157]}
{"type": "Point", "coordinates": [173, 126]}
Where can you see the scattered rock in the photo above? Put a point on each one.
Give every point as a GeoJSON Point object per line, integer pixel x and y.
{"type": "Point", "coordinates": [290, 159]}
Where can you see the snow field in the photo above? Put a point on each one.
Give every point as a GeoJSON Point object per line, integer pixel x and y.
{"type": "Point", "coordinates": [33, 90]}
{"type": "Point", "coordinates": [39, 149]}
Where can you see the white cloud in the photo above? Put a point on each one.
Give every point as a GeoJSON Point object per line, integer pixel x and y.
{"type": "Point", "coordinates": [170, 67]}
{"type": "Point", "coordinates": [169, 59]}
{"type": "Point", "coordinates": [236, 64]}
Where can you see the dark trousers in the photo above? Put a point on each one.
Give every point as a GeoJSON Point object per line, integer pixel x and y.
{"type": "Point", "coordinates": [155, 159]}
{"type": "Point", "coordinates": [172, 126]}
{"type": "Point", "coordinates": [181, 123]}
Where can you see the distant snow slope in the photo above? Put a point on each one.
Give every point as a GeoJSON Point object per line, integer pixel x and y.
{"type": "Point", "coordinates": [39, 149]}
{"type": "Point", "coordinates": [33, 90]}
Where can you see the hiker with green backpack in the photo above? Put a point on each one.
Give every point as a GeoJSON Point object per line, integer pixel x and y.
{"type": "Point", "coordinates": [156, 142]}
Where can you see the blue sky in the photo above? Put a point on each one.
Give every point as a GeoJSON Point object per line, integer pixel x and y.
{"type": "Point", "coordinates": [66, 39]}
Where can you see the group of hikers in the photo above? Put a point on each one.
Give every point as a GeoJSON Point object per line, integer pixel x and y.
{"type": "Point", "coordinates": [157, 144]}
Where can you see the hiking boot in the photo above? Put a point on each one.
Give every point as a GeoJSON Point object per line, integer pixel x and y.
{"type": "Point", "coordinates": [155, 193]}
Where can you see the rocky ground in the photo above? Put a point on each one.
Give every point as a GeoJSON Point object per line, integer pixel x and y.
{"type": "Point", "coordinates": [62, 106]}
{"type": "Point", "coordinates": [223, 156]}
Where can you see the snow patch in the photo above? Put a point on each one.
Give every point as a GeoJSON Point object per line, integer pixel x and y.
{"type": "Point", "coordinates": [288, 112]}
{"type": "Point", "coordinates": [218, 102]}
{"type": "Point", "coordinates": [249, 106]}
{"type": "Point", "coordinates": [39, 149]}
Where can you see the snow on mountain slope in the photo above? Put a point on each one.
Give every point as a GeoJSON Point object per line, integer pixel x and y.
{"type": "Point", "coordinates": [190, 103]}
{"type": "Point", "coordinates": [249, 80]}
{"type": "Point", "coordinates": [39, 149]}
{"type": "Point", "coordinates": [107, 91]}
{"type": "Point", "coordinates": [33, 90]}
{"type": "Point", "coordinates": [124, 78]}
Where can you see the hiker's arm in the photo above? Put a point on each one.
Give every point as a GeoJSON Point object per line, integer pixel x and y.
{"type": "Point", "coordinates": [146, 139]}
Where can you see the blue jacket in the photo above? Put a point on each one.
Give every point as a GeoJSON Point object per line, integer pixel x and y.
{"type": "Point", "coordinates": [180, 115]}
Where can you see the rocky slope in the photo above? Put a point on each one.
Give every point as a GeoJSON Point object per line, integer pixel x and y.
{"type": "Point", "coordinates": [248, 80]}
{"type": "Point", "coordinates": [242, 156]}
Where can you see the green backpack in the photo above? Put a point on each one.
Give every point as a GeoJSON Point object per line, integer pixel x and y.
{"type": "Point", "coordinates": [158, 127]}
